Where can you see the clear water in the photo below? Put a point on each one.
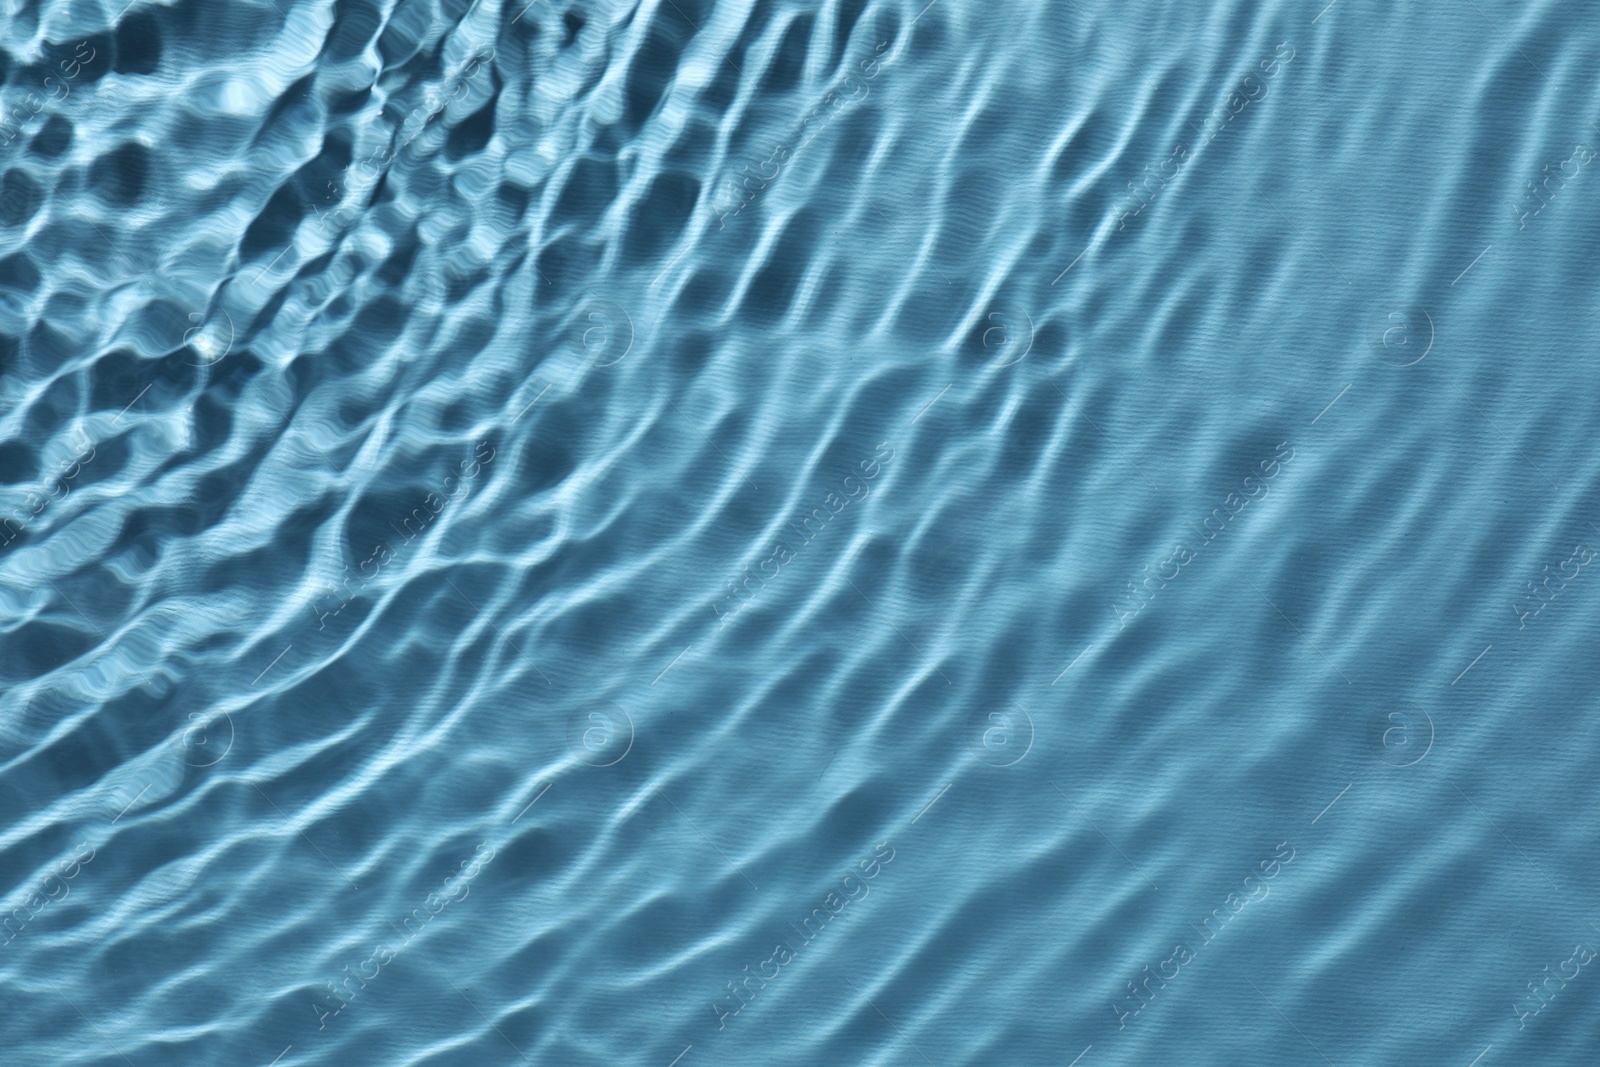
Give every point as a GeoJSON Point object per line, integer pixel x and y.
{"type": "Point", "coordinates": [762, 532]}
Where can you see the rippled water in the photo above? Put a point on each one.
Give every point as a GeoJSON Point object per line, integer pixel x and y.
{"type": "Point", "coordinates": [857, 532]}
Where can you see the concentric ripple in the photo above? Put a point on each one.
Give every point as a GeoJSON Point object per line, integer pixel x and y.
{"type": "Point", "coordinates": [674, 533]}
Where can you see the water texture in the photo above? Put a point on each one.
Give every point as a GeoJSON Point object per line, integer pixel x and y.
{"type": "Point", "coordinates": [755, 532]}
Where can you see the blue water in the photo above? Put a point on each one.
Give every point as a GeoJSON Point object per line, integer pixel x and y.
{"type": "Point", "coordinates": [859, 532]}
